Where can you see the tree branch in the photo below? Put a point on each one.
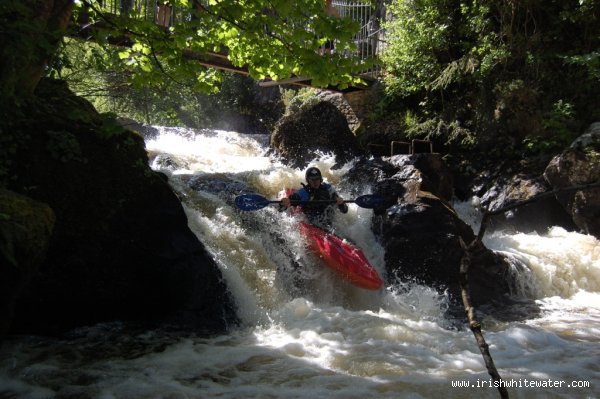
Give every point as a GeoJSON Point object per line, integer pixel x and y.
{"type": "Point", "coordinates": [463, 276]}
{"type": "Point", "coordinates": [474, 324]}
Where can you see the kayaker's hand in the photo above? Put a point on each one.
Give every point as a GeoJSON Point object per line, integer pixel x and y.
{"type": "Point", "coordinates": [285, 202]}
{"type": "Point", "coordinates": [339, 200]}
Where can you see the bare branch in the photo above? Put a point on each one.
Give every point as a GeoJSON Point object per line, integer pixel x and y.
{"type": "Point", "coordinates": [474, 324]}
{"type": "Point", "coordinates": [465, 263]}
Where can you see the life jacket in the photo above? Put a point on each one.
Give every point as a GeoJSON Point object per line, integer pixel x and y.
{"type": "Point", "coordinates": [317, 212]}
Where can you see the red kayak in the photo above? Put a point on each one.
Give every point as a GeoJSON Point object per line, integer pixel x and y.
{"type": "Point", "coordinates": [343, 257]}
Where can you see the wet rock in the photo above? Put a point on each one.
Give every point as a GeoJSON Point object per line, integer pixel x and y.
{"type": "Point", "coordinates": [121, 247]}
{"type": "Point", "coordinates": [420, 233]}
{"type": "Point", "coordinates": [579, 165]}
{"type": "Point", "coordinates": [421, 236]}
{"type": "Point", "coordinates": [321, 127]}
{"type": "Point", "coordinates": [434, 174]}
{"type": "Point", "coordinates": [25, 229]}
{"type": "Point", "coordinates": [340, 102]}
{"type": "Point", "coordinates": [221, 185]}
{"type": "Point", "coordinates": [537, 216]}
{"type": "Point", "coordinates": [148, 132]}
{"type": "Point", "coordinates": [169, 162]}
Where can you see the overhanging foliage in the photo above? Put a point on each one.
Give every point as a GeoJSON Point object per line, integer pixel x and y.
{"type": "Point", "coordinates": [275, 39]}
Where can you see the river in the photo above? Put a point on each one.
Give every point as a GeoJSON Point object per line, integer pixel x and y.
{"type": "Point", "coordinates": [330, 340]}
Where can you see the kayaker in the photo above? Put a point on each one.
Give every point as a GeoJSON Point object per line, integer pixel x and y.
{"type": "Point", "coordinates": [317, 213]}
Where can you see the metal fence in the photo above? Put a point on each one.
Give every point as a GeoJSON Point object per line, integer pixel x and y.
{"type": "Point", "coordinates": [370, 39]}
{"type": "Point", "coordinates": [149, 10]}
{"type": "Point", "coordinates": [370, 14]}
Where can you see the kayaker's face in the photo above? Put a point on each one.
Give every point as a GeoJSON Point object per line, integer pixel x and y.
{"type": "Point", "coordinates": [314, 182]}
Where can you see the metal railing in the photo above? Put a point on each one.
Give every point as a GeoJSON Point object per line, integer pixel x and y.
{"type": "Point", "coordinates": [149, 10]}
{"type": "Point", "coordinates": [369, 40]}
{"type": "Point", "coordinates": [398, 147]}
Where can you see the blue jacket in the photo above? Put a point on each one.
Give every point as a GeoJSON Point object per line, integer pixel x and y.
{"type": "Point", "coordinates": [318, 213]}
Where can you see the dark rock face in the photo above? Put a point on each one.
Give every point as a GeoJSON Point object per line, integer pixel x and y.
{"type": "Point", "coordinates": [421, 232]}
{"type": "Point", "coordinates": [147, 131]}
{"type": "Point", "coordinates": [321, 127]}
{"type": "Point", "coordinates": [25, 229]}
{"type": "Point", "coordinates": [340, 101]}
{"type": "Point", "coordinates": [537, 216]}
{"type": "Point", "coordinates": [422, 242]}
{"type": "Point", "coordinates": [121, 247]}
{"type": "Point", "coordinates": [511, 183]}
{"type": "Point", "coordinates": [433, 173]}
{"type": "Point", "coordinates": [579, 165]}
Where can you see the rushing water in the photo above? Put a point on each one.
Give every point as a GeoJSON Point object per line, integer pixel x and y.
{"type": "Point", "coordinates": [331, 339]}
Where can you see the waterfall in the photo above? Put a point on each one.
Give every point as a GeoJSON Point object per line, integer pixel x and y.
{"type": "Point", "coordinates": [331, 340]}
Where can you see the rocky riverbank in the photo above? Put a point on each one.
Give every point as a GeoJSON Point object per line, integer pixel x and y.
{"type": "Point", "coordinates": [90, 233]}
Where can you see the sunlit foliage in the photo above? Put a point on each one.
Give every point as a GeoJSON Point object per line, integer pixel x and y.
{"type": "Point", "coordinates": [274, 39]}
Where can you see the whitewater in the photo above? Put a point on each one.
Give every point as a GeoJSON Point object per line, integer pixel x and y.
{"type": "Point", "coordinates": [330, 339]}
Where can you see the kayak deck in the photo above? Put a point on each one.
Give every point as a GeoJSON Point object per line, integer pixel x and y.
{"type": "Point", "coordinates": [341, 256]}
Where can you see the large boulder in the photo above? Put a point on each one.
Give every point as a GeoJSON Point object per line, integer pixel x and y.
{"type": "Point", "coordinates": [25, 229]}
{"type": "Point", "coordinates": [429, 170]}
{"type": "Point", "coordinates": [146, 131]}
{"type": "Point", "coordinates": [537, 216]}
{"type": "Point", "coordinates": [579, 165]}
{"type": "Point", "coordinates": [340, 101]}
{"type": "Point", "coordinates": [121, 247]}
{"type": "Point", "coordinates": [320, 127]}
{"type": "Point", "coordinates": [420, 231]}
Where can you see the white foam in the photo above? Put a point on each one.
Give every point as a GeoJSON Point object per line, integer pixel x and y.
{"type": "Point", "coordinates": [564, 263]}
{"type": "Point", "coordinates": [339, 342]}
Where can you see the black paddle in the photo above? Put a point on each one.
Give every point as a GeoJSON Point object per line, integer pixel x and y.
{"type": "Point", "coordinates": [253, 202]}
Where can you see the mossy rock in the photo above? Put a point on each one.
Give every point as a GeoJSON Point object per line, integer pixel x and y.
{"type": "Point", "coordinates": [121, 248]}
{"type": "Point", "coordinates": [320, 127]}
{"type": "Point", "coordinates": [25, 229]}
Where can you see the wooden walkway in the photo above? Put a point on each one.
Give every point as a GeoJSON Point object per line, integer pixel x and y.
{"type": "Point", "coordinates": [369, 40]}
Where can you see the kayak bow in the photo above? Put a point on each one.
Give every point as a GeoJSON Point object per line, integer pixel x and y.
{"type": "Point", "coordinates": [342, 257]}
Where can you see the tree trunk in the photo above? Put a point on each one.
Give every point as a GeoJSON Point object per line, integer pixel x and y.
{"type": "Point", "coordinates": [31, 34]}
